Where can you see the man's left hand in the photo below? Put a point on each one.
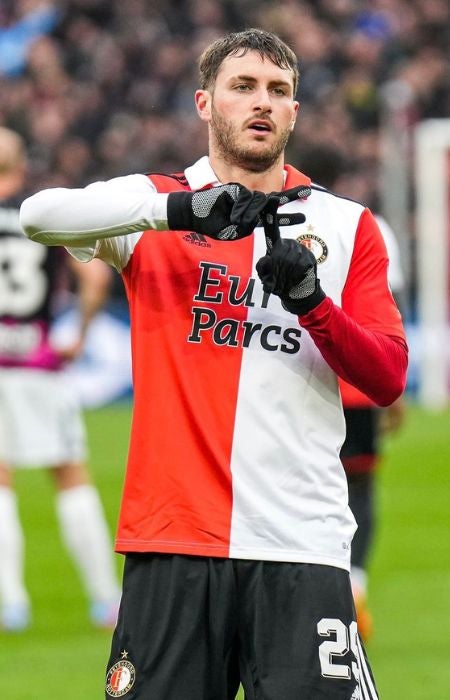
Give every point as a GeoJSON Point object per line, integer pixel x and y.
{"type": "Point", "coordinates": [289, 269]}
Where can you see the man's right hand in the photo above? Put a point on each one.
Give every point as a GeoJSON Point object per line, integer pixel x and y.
{"type": "Point", "coordinates": [227, 212]}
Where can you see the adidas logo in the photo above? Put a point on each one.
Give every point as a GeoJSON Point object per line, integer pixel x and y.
{"type": "Point", "coordinates": [196, 239]}
{"type": "Point", "coordinates": [356, 695]}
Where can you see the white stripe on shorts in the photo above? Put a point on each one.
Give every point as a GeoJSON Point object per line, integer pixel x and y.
{"type": "Point", "coordinates": [367, 686]}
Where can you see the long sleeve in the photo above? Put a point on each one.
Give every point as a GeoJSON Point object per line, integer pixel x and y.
{"type": "Point", "coordinates": [77, 217]}
{"type": "Point", "coordinates": [373, 362]}
{"type": "Point", "coordinates": [364, 341]}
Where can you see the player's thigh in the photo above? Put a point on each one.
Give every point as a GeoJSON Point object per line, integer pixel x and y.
{"type": "Point", "coordinates": [176, 628]}
{"type": "Point", "coordinates": [298, 634]}
{"type": "Point", "coordinates": [70, 475]}
{"type": "Point", "coordinates": [5, 476]}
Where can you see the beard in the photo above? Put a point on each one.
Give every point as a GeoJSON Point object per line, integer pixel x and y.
{"type": "Point", "coordinates": [225, 137]}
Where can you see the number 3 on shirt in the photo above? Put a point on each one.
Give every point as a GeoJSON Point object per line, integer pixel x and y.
{"type": "Point", "coordinates": [23, 284]}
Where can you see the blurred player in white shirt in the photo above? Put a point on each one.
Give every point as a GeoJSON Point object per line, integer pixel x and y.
{"type": "Point", "coordinates": [40, 420]}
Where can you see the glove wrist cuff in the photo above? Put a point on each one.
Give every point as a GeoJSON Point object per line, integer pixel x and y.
{"type": "Point", "coordinates": [304, 306]}
{"type": "Point", "coordinates": [179, 211]}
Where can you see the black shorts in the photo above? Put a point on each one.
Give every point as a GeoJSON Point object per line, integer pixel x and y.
{"type": "Point", "coordinates": [192, 628]}
{"type": "Point", "coordinates": [362, 427]}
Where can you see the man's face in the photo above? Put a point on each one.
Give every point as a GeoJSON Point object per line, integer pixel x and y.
{"type": "Point", "coordinates": [251, 111]}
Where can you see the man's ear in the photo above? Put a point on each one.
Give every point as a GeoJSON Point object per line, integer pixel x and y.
{"type": "Point", "coordinates": [203, 104]}
{"type": "Point", "coordinates": [294, 119]}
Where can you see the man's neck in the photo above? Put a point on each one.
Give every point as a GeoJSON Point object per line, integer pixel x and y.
{"type": "Point", "coordinates": [271, 180]}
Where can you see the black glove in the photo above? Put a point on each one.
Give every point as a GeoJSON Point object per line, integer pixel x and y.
{"type": "Point", "coordinates": [289, 269]}
{"type": "Point", "coordinates": [226, 212]}
{"type": "Point", "coordinates": [271, 220]}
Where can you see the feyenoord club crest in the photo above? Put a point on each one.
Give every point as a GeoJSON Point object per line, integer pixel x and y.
{"type": "Point", "coordinates": [120, 677]}
{"type": "Point", "coordinates": [316, 245]}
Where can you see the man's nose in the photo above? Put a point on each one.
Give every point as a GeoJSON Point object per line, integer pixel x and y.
{"type": "Point", "coordinates": [262, 101]}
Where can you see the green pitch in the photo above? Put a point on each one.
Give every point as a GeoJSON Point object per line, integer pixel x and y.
{"type": "Point", "coordinates": [63, 657]}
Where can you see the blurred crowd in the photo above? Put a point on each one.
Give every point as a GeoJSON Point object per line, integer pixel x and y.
{"type": "Point", "coordinates": [100, 88]}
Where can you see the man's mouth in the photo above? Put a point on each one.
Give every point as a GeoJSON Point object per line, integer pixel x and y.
{"type": "Point", "coordinates": [260, 127]}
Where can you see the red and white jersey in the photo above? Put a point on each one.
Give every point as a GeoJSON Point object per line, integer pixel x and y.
{"type": "Point", "coordinates": [238, 421]}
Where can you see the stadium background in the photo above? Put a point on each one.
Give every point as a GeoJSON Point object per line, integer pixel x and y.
{"type": "Point", "coordinates": [100, 88]}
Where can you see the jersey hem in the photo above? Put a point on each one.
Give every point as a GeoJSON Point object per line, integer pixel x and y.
{"type": "Point", "coordinates": [223, 552]}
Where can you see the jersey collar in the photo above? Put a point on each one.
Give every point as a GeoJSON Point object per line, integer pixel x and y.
{"type": "Point", "coordinates": [201, 175]}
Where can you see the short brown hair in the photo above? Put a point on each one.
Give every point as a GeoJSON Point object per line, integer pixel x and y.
{"type": "Point", "coordinates": [267, 44]}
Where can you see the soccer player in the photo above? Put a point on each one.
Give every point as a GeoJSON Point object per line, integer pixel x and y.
{"type": "Point", "coordinates": [40, 422]}
{"type": "Point", "coordinates": [235, 521]}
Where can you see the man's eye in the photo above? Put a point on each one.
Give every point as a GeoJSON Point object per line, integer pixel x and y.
{"type": "Point", "coordinates": [243, 88]}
